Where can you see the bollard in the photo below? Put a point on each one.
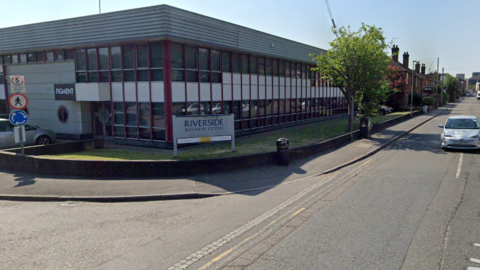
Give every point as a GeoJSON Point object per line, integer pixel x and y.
{"type": "Point", "coordinates": [283, 152]}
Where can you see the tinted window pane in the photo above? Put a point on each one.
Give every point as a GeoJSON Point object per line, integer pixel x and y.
{"type": "Point", "coordinates": [275, 67]}
{"type": "Point", "coordinates": [261, 66]}
{"type": "Point", "coordinates": [215, 60]}
{"type": "Point", "coordinates": [142, 55]}
{"type": "Point", "coordinates": [81, 77]}
{"type": "Point", "coordinates": [59, 56]}
{"type": "Point", "coordinates": [253, 64]}
{"type": "Point", "coordinates": [282, 68]}
{"type": "Point", "coordinates": [156, 74]}
{"type": "Point", "coordinates": [245, 64]}
{"type": "Point", "coordinates": [192, 76]}
{"type": "Point", "coordinates": [142, 75]}
{"type": "Point", "coordinates": [49, 56]}
{"type": "Point", "coordinates": [30, 57]}
{"type": "Point", "coordinates": [226, 63]}
{"type": "Point", "coordinates": [236, 63]}
{"type": "Point", "coordinates": [216, 77]}
{"type": "Point", "coordinates": [144, 114]}
{"type": "Point", "coordinates": [131, 111]}
{"type": "Point", "coordinates": [203, 60]}
{"type": "Point", "coordinates": [116, 76]}
{"type": "Point", "coordinates": [68, 54]}
{"type": "Point", "coordinates": [177, 55]}
{"type": "Point", "coordinates": [177, 75]}
{"type": "Point", "coordinates": [156, 54]}
{"type": "Point", "coordinates": [128, 57]}
{"type": "Point", "coordinates": [269, 66]}
{"type": "Point", "coordinates": [104, 77]}
{"type": "Point", "coordinates": [92, 77]}
{"type": "Point", "coordinates": [204, 76]}
{"type": "Point", "coordinates": [22, 58]}
{"type": "Point", "coordinates": [92, 59]}
{"type": "Point", "coordinates": [191, 57]}
{"type": "Point", "coordinates": [103, 58]}
{"type": "Point", "coordinates": [80, 59]}
{"type": "Point", "coordinates": [116, 56]}
{"type": "Point", "coordinates": [129, 76]}
{"type": "Point", "coordinates": [158, 115]}
{"type": "Point", "coordinates": [287, 69]}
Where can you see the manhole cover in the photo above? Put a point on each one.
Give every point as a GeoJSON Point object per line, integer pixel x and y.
{"type": "Point", "coordinates": [70, 204]}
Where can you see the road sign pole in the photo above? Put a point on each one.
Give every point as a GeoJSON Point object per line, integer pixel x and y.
{"type": "Point", "coordinates": [22, 133]}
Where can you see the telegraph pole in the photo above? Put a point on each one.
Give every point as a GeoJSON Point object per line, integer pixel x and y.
{"type": "Point", "coordinates": [441, 94]}
{"type": "Point", "coordinates": [441, 80]}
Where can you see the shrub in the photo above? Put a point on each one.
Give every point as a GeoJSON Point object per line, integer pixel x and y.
{"type": "Point", "coordinates": [428, 101]}
{"type": "Point", "coordinates": [446, 96]}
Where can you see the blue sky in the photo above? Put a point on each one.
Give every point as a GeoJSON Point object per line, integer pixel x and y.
{"type": "Point", "coordinates": [427, 29]}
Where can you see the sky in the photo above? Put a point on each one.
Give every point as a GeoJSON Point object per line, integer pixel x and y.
{"type": "Point", "coordinates": [427, 29]}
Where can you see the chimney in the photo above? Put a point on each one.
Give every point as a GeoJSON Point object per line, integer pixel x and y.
{"type": "Point", "coordinates": [423, 69]}
{"type": "Point", "coordinates": [395, 53]}
{"type": "Point", "coordinates": [405, 59]}
{"type": "Point", "coordinates": [417, 67]}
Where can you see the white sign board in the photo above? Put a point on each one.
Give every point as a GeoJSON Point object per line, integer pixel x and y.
{"type": "Point", "coordinates": [17, 84]}
{"type": "Point", "coordinates": [19, 132]}
{"type": "Point", "coordinates": [203, 128]}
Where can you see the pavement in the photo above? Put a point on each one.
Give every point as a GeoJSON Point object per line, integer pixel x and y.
{"type": "Point", "coordinates": [27, 187]}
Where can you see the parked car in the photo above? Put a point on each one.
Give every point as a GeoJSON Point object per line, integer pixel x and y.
{"type": "Point", "coordinates": [460, 132]}
{"type": "Point", "coordinates": [382, 110]}
{"type": "Point", "coordinates": [34, 135]}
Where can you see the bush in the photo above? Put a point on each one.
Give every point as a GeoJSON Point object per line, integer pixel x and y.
{"type": "Point", "coordinates": [428, 101]}
{"type": "Point", "coordinates": [446, 96]}
{"type": "Point", "coordinates": [417, 100]}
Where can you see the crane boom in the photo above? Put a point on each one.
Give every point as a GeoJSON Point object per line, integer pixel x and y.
{"type": "Point", "coordinates": [330, 12]}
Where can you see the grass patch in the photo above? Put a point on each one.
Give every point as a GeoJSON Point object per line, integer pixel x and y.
{"type": "Point", "coordinates": [252, 144]}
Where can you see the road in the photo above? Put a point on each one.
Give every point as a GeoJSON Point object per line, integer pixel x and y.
{"type": "Point", "coordinates": [410, 206]}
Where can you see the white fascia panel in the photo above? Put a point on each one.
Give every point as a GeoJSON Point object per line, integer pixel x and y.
{"type": "Point", "coordinates": [236, 78]}
{"type": "Point", "coordinates": [158, 94]}
{"type": "Point", "coordinates": [245, 79]}
{"type": "Point", "coordinates": [178, 92]}
{"type": "Point", "coordinates": [92, 91]}
{"type": "Point", "coordinates": [227, 92]}
{"type": "Point", "coordinates": [204, 92]}
{"type": "Point", "coordinates": [236, 92]}
{"type": "Point", "coordinates": [262, 91]}
{"type": "Point", "coordinates": [254, 79]}
{"type": "Point", "coordinates": [2, 93]}
{"type": "Point", "coordinates": [143, 92]}
{"type": "Point", "coordinates": [227, 77]}
{"type": "Point", "coordinates": [216, 91]}
{"type": "Point", "coordinates": [130, 92]}
{"type": "Point", "coordinates": [192, 93]}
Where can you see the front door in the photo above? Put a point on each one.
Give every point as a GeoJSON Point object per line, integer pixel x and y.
{"type": "Point", "coordinates": [102, 119]}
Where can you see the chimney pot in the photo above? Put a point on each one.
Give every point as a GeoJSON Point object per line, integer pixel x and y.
{"type": "Point", "coordinates": [406, 56]}
{"type": "Point", "coordinates": [395, 53]}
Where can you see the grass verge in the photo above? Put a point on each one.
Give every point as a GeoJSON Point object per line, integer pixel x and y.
{"type": "Point", "coordinates": [258, 143]}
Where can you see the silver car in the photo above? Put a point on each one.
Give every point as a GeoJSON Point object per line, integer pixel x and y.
{"type": "Point", "coordinates": [34, 135]}
{"type": "Point", "coordinates": [460, 132]}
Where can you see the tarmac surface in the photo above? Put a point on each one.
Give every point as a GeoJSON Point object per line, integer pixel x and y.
{"type": "Point", "coordinates": [27, 187]}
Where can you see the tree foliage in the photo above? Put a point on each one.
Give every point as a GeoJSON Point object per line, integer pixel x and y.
{"type": "Point", "coordinates": [450, 83]}
{"type": "Point", "coordinates": [358, 65]}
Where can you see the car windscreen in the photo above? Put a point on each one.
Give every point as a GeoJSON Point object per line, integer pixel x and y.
{"type": "Point", "coordinates": [462, 124]}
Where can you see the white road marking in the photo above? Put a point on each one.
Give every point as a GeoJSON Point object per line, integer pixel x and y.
{"type": "Point", "coordinates": [459, 168]}
{"type": "Point", "coordinates": [473, 268]}
{"type": "Point", "coordinates": [476, 245]}
{"type": "Point", "coordinates": [474, 260]}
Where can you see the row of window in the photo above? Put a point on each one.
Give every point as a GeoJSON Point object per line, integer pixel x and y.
{"type": "Point", "coordinates": [36, 57]}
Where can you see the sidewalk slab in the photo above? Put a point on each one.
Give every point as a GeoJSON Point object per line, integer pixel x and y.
{"type": "Point", "coordinates": [18, 186]}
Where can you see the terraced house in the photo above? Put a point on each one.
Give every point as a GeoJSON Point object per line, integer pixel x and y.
{"type": "Point", "coordinates": [123, 75]}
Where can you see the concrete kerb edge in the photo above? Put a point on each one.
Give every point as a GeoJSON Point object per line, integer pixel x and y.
{"type": "Point", "coordinates": [108, 199]}
{"type": "Point", "coordinates": [378, 149]}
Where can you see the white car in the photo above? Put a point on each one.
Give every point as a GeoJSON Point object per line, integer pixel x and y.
{"type": "Point", "coordinates": [460, 132]}
{"type": "Point", "coordinates": [34, 135]}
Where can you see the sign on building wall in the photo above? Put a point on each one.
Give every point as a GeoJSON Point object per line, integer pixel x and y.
{"type": "Point", "coordinates": [203, 128]}
{"type": "Point", "coordinates": [17, 84]}
{"type": "Point", "coordinates": [64, 91]}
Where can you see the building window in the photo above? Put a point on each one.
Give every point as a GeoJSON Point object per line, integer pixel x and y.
{"type": "Point", "coordinates": [49, 57]}
{"type": "Point", "coordinates": [226, 63]}
{"type": "Point", "coordinates": [62, 114]}
{"type": "Point", "coordinates": [31, 57]}
{"type": "Point", "coordinates": [40, 57]}
{"type": "Point", "coordinates": [59, 56]}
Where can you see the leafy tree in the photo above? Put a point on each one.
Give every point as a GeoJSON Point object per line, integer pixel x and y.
{"type": "Point", "coordinates": [397, 82]}
{"type": "Point", "coordinates": [450, 83]}
{"type": "Point", "coordinates": [357, 64]}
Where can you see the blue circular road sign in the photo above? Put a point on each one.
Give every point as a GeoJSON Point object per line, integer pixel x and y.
{"type": "Point", "coordinates": [18, 118]}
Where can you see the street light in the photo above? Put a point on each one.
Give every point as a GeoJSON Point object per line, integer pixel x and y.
{"type": "Point", "coordinates": [413, 82]}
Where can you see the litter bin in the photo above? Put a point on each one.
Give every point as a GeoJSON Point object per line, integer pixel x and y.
{"type": "Point", "coordinates": [283, 151]}
{"type": "Point", "coordinates": [365, 127]}
{"type": "Point", "coordinates": [425, 109]}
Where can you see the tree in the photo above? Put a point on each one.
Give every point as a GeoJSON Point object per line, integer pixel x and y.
{"type": "Point", "coordinates": [450, 84]}
{"type": "Point", "coordinates": [398, 81]}
{"type": "Point", "coordinates": [358, 66]}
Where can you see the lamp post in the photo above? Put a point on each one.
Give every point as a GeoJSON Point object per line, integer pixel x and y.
{"type": "Point", "coordinates": [413, 82]}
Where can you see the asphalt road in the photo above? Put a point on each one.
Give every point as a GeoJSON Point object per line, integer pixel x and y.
{"type": "Point", "coordinates": [411, 206]}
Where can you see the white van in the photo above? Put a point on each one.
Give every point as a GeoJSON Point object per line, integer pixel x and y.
{"type": "Point", "coordinates": [478, 94]}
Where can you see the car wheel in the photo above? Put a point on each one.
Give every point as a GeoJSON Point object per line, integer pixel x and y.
{"type": "Point", "coordinates": [43, 140]}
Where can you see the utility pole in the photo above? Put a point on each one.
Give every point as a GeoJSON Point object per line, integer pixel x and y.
{"type": "Point", "coordinates": [441, 95]}
{"type": "Point", "coordinates": [441, 80]}
{"type": "Point", "coordinates": [411, 94]}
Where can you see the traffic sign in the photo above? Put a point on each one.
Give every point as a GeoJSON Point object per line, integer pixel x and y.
{"type": "Point", "coordinates": [18, 118]}
{"type": "Point", "coordinates": [17, 83]}
{"type": "Point", "coordinates": [18, 101]}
